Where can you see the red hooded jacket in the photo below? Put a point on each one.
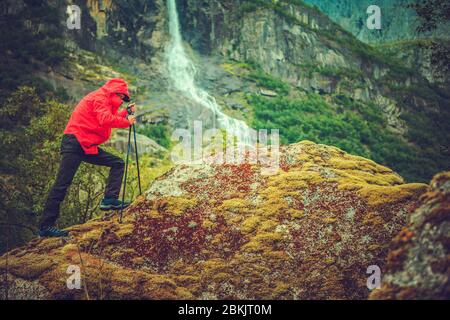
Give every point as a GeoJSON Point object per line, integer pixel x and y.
{"type": "Point", "coordinates": [96, 114]}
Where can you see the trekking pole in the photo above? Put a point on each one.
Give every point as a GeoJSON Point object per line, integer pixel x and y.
{"type": "Point", "coordinates": [126, 173]}
{"type": "Point", "coordinates": [137, 159]}
{"type": "Point", "coordinates": [126, 163]}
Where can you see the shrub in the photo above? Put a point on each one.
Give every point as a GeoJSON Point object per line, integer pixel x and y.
{"type": "Point", "coordinates": [158, 132]}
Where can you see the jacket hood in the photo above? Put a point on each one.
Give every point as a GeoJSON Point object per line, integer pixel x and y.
{"type": "Point", "coordinates": [116, 85]}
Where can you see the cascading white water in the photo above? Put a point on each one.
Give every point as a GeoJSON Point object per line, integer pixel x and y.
{"type": "Point", "coordinates": [182, 73]}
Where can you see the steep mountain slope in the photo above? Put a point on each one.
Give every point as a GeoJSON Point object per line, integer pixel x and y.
{"type": "Point", "coordinates": [309, 231]}
{"type": "Point", "coordinates": [398, 21]}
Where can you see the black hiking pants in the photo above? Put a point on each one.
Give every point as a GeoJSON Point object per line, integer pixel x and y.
{"type": "Point", "coordinates": [71, 157]}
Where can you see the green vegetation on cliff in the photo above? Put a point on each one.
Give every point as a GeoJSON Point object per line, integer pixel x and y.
{"type": "Point", "coordinates": [160, 132]}
{"type": "Point", "coordinates": [357, 127]}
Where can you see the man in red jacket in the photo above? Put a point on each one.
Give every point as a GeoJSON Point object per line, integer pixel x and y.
{"type": "Point", "coordinates": [89, 126]}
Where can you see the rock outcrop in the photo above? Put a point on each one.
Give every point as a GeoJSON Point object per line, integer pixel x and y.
{"type": "Point", "coordinates": [133, 29]}
{"type": "Point", "coordinates": [418, 263]}
{"type": "Point", "coordinates": [119, 141]}
{"type": "Point", "coordinates": [221, 231]}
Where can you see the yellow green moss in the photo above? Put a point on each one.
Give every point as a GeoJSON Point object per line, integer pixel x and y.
{"type": "Point", "coordinates": [296, 214]}
{"type": "Point", "coordinates": [253, 247]}
{"type": "Point", "coordinates": [307, 142]}
{"type": "Point", "coordinates": [125, 230]}
{"type": "Point", "coordinates": [179, 205]}
{"type": "Point", "coordinates": [268, 237]}
{"type": "Point", "coordinates": [329, 220]}
{"type": "Point", "coordinates": [29, 266]}
{"type": "Point", "coordinates": [380, 195]}
{"type": "Point", "coordinates": [249, 225]}
{"type": "Point", "coordinates": [268, 225]}
{"type": "Point", "coordinates": [94, 234]}
{"type": "Point", "coordinates": [234, 205]}
{"type": "Point", "coordinates": [69, 248]}
{"type": "Point", "coordinates": [208, 224]}
{"type": "Point", "coordinates": [183, 294]}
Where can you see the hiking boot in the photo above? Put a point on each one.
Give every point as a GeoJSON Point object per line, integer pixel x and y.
{"type": "Point", "coordinates": [113, 204]}
{"type": "Point", "coordinates": [50, 232]}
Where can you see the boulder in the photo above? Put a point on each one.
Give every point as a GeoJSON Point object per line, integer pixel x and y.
{"type": "Point", "coordinates": [223, 231]}
{"type": "Point", "coordinates": [144, 144]}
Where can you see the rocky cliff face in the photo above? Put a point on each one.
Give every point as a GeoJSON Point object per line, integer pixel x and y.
{"type": "Point", "coordinates": [398, 21]}
{"type": "Point", "coordinates": [131, 28]}
{"type": "Point", "coordinates": [302, 46]}
{"type": "Point", "coordinates": [227, 231]}
{"type": "Point", "coordinates": [418, 264]}
{"type": "Point", "coordinates": [421, 55]}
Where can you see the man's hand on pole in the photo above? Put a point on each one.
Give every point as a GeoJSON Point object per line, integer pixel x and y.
{"type": "Point", "coordinates": [132, 120]}
{"type": "Point", "coordinates": [132, 110]}
{"type": "Point", "coordinates": [132, 107]}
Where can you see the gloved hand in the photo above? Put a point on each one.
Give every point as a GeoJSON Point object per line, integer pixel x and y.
{"type": "Point", "coordinates": [132, 107]}
{"type": "Point", "coordinates": [132, 119]}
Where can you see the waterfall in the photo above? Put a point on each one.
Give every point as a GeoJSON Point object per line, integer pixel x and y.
{"type": "Point", "coordinates": [182, 73]}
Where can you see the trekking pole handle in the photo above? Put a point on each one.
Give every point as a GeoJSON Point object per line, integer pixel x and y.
{"type": "Point", "coordinates": [129, 110]}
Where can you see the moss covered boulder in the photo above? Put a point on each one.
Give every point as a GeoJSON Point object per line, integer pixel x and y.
{"type": "Point", "coordinates": [309, 231]}
{"type": "Point", "coordinates": [418, 263]}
